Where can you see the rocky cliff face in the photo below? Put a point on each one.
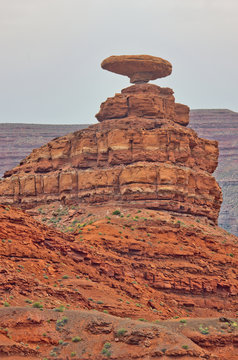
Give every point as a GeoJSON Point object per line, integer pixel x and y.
{"type": "Point", "coordinates": [136, 205]}
{"type": "Point", "coordinates": [141, 152]}
{"type": "Point", "coordinates": [162, 285]}
{"type": "Point", "coordinates": [18, 140]}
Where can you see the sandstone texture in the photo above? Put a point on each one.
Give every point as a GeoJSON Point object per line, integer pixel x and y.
{"type": "Point", "coordinates": [18, 140]}
{"type": "Point", "coordinates": [139, 68]}
{"type": "Point", "coordinates": [118, 254]}
{"type": "Point", "coordinates": [163, 286]}
{"type": "Point", "coordinates": [141, 152]}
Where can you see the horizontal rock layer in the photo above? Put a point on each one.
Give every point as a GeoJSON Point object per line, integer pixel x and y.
{"type": "Point", "coordinates": [222, 125]}
{"type": "Point", "coordinates": [123, 142]}
{"type": "Point", "coordinates": [158, 186]}
{"type": "Point", "coordinates": [162, 261]}
{"type": "Point", "coordinates": [143, 155]}
{"type": "Point", "coordinates": [144, 100]}
{"type": "Point", "coordinates": [157, 267]}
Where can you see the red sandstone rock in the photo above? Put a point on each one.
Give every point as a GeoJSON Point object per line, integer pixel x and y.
{"type": "Point", "coordinates": [85, 159]}
{"type": "Point", "coordinates": [139, 68]}
{"type": "Point", "coordinates": [141, 132]}
{"type": "Point", "coordinates": [182, 114]}
{"type": "Point", "coordinates": [154, 268]}
{"type": "Point", "coordinates": [143, 101]}
{"type": "Point", "coordinates": [170, 260]}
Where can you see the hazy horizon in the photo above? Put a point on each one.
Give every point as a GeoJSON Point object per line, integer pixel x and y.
{"type": "Point", "coordinates": [51, 53]}
{"type": "Point", "coordinates": [92, 122]}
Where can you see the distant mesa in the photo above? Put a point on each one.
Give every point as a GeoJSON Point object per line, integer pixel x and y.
{"type": "Point", "coordinates": [139, 68]}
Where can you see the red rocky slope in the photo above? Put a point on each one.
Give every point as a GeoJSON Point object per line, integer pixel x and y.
{"type": "Point", "coordinates": [180, 269]}
{"type": "Point", "coordinates": [138, 205]}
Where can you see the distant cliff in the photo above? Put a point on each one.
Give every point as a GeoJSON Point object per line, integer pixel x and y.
{"type": "Point", "coordinates": [18, 140]}
{"type": "Point", "coordinates": [222, 125]}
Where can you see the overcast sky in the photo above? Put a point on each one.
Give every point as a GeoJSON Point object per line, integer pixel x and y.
{"type": "Point", "coordinates": [51, 50]}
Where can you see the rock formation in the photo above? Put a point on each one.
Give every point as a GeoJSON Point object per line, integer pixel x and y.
{"type": "Point", "coordinates": [136, 205]}
{"type": "Point", "coordinates": [143, 265]}
{"type": "Point", "coordinates": [139, 68]}
{"type": "Point", "coordinates": [141, 153]}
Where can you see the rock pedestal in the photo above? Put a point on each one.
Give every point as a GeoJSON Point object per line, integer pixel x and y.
{"type": "Point", "coordinates": [140, 154]}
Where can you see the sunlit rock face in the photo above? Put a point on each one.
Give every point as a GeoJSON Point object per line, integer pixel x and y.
{"type": "Point", "coordinates": [140, 153]}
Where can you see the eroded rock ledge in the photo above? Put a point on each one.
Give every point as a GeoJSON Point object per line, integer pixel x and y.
{"type": "Point", "coordinates": [141, 152]}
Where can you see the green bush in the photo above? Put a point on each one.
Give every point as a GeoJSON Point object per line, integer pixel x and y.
{"type": "Point", "coordinates": [121, 332]}
{"type": "Point", "coordinates": [61, 308]}
{"type": "Point", "coordinates": [37, 305]}
{"type": "Point", "coordinates": [116, 212]}
{"type": "Point", "coordinates": [76, 339]}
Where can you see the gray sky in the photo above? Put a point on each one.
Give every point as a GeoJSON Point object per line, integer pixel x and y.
{"type": "Point", "coordinates": [51, 50]}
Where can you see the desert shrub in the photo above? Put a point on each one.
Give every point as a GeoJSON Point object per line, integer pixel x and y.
{"type": "Point", "coordinates": [203, 330]}
{"type": "Point", "coordinates": [121, 332]}
{"type": "Point", "coordinates": [105, 350]}
{"type": "Point", "coordinates": [76, 339]}
{"type": "Point", "coordinates": [116, 212]}
{"type": "Point", "coordinates": [37, 305]}
{"type": "Point", "coordinates": [61, 308]}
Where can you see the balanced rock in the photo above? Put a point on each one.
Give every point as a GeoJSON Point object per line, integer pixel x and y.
{"type": "Point", "coordinates": [139, 68]}
{"type": "Point", "coordinates": [141, 154]}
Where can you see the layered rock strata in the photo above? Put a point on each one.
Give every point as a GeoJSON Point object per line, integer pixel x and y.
{"type": "Point", "coordinates": [141, 153]}
{"type": "Point", "coordinates": [222, 125]}
{"type": "Point", "coordinates": [159, 267]}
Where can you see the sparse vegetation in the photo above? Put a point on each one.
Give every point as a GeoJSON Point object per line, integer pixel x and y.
{"type": "Point", "coordinates": [76, 339]}
{"type": "Point", "coordinates": [105, 350]}
{"type": "Point", "coordinates": [61, 308]}
{"type": "Point", "coordinates": [121, 332]}
{"type": "Point", "coordinates": [53, 353]}
{"type": "Point", "coordinates": [61, 322]}
{"type": "Point", "coordinates": [203, 330]}
{"type": "Point", "coordinates": [37, 305]}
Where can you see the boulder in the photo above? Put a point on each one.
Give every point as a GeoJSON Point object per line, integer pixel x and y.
{"type": "Point", "coordinates": [139, 68]}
